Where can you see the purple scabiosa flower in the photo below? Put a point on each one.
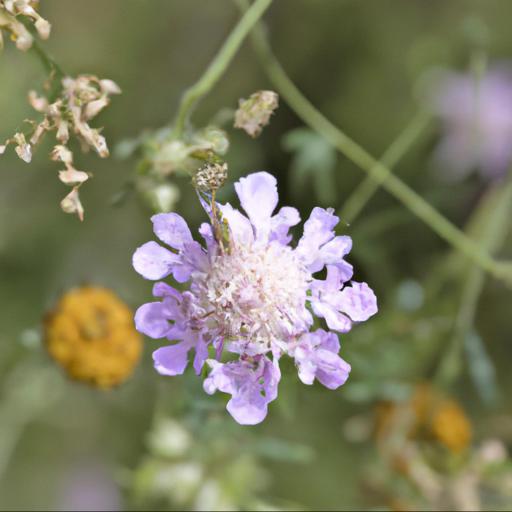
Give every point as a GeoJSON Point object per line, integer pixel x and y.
{"type": "Point", "coordinates": [250, 297]}
{"type": "Point", "coordinates": [477, 121]}
{"type": "Point", "coordinates": [88, 486]}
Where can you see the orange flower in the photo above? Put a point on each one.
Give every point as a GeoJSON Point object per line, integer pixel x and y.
{"type": "Point", "coordinates": [426, 415]}
{"type": "Point", "coordinates": [450, 426]}
{"type": "Point", "coordinates": [91, 335]}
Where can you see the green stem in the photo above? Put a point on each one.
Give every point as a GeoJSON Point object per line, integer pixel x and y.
{"type": "Point", "coordinates": [219, 64]}
{"type": "Point", "coordinates": [353, 151]}
{"type": "Point", "coordinates": [497, 209]}
{"type": "Point", "coordinates": [48, 62]}
{"type": "Point", "coordinates": [369, 186]}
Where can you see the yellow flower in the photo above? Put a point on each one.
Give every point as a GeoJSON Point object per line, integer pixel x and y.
{"type": "Point", "coordinates": [450, 426]}
{"type": "Point", "coordinates": [426, 415]}
{"type": "Point", "coordinates": [91, 335]}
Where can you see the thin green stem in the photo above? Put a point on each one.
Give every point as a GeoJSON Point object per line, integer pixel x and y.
{"type": "Point", "coordinates": [402, 192]}
{"type": "Point", "coordinates": [494, 228]}
{"type": "Point", "coordinates": [47, 61]}
{"type": "Point", "coordinates": [219, 64]}
{"type": "Point", "coordinates": [368, 187]}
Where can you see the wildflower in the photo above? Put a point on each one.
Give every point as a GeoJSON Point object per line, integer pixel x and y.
{"type": "Point", "coordinates": [451, 426]}
{"type": "Point", "coordinates": [88, 484]}
{"type": "Point", "coordinates": [91, 335]}
{"type": "Point", "coordinates": [427, 415]}
{"type": "Point", "coordinates": [249, 297]}
{"type": "Point", "coordinates": [477, 122]}
{"type": "Point", "coordinates": [10, 10]}
{"type": "Point", "coordinates": [253, 114]}
{"type": "Point", "coordinates": [81, 99]}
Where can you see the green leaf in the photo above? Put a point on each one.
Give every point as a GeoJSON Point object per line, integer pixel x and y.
{"type": "Point", "coordinates": [314, 161]}
{"type": "Point", "coordinates": [481, 368]}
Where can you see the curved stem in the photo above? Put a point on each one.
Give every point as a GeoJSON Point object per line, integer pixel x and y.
{"type": "Point", "coordinates": [357, 154]}
{"type": "Point", "coordinates": [368, 187]}
{"type": "Point", "coordinates": [219, 63]}
{"type": "Point", "coordinates": [497, 206]}
{"type": "Point", "coordinates": [48, 62]}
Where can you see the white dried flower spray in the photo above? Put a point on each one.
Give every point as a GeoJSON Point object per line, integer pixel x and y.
{"type": "Point", "coordinates": [10, 13]}
{"type": "Point", "coordinates": [69, 114]}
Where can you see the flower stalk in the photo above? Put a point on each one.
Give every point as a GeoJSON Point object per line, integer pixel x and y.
{"type": "Point", "coordinates": [357, 154]}
{"type": "Point", "coordinates": [217, 67]}
{"type": "Point", "coordinates": [497, 210]}
{"type": "Point", "coordinates": [356, 202]}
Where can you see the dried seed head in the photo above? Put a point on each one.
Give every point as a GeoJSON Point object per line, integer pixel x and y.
{"type": "Point", "coordinates": [72, 176]}
{"type": "Point", "coordinates": [10, 10]}
{"type": "Point", "coordinates": [61, 154]}
{"type": "Point", "coordinates": [43, 28]}
{"type": "Point", "coordinates": [211, 177]}
{"type": "Point", "coordinates": [71, 204]}
{"type": "Point", "coordinates": [39, 131]}
{"type": "Point", "coordinates": [39, 103]}
{"type": "Point", "coordinates": [81, 99]}
{"type": "Point", "coordinates": [254, 113]}
{"type": "Point", "coordinates": [108, 87]}
{"type": "Point", "coordinates": [23, 149]}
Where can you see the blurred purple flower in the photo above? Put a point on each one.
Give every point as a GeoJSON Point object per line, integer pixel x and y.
{"type": "Point", "coordinates": [249, 296]}
{"type": "Point", "coordinates": [477, 119]}
{"type": "Point", "coordinates": [89, 486]}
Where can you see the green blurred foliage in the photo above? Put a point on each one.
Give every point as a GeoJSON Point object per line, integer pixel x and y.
{"type": "Point", "coordinates": [362, 64]}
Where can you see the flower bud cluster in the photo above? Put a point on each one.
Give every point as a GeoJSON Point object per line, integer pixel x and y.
{"type": "Point", "coordinates": [10, 13]}
{"type": "Point", "coordinates": [206, 468]}
{"type": "Point", "coordinates": [165, 155]}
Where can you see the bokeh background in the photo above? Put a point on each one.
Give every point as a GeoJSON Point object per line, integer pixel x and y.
{"type": "Point", "coordinates": [361, 64]}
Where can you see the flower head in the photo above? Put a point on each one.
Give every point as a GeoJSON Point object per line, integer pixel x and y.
{"type": "Point", "coordinates": [251, 296]}
{"type": "Point", "coordinates": [477, 120]}
{"type": "Point", "coordinates": [210, 177]}
{"type": "Point", "coordinates": [91, 335]}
